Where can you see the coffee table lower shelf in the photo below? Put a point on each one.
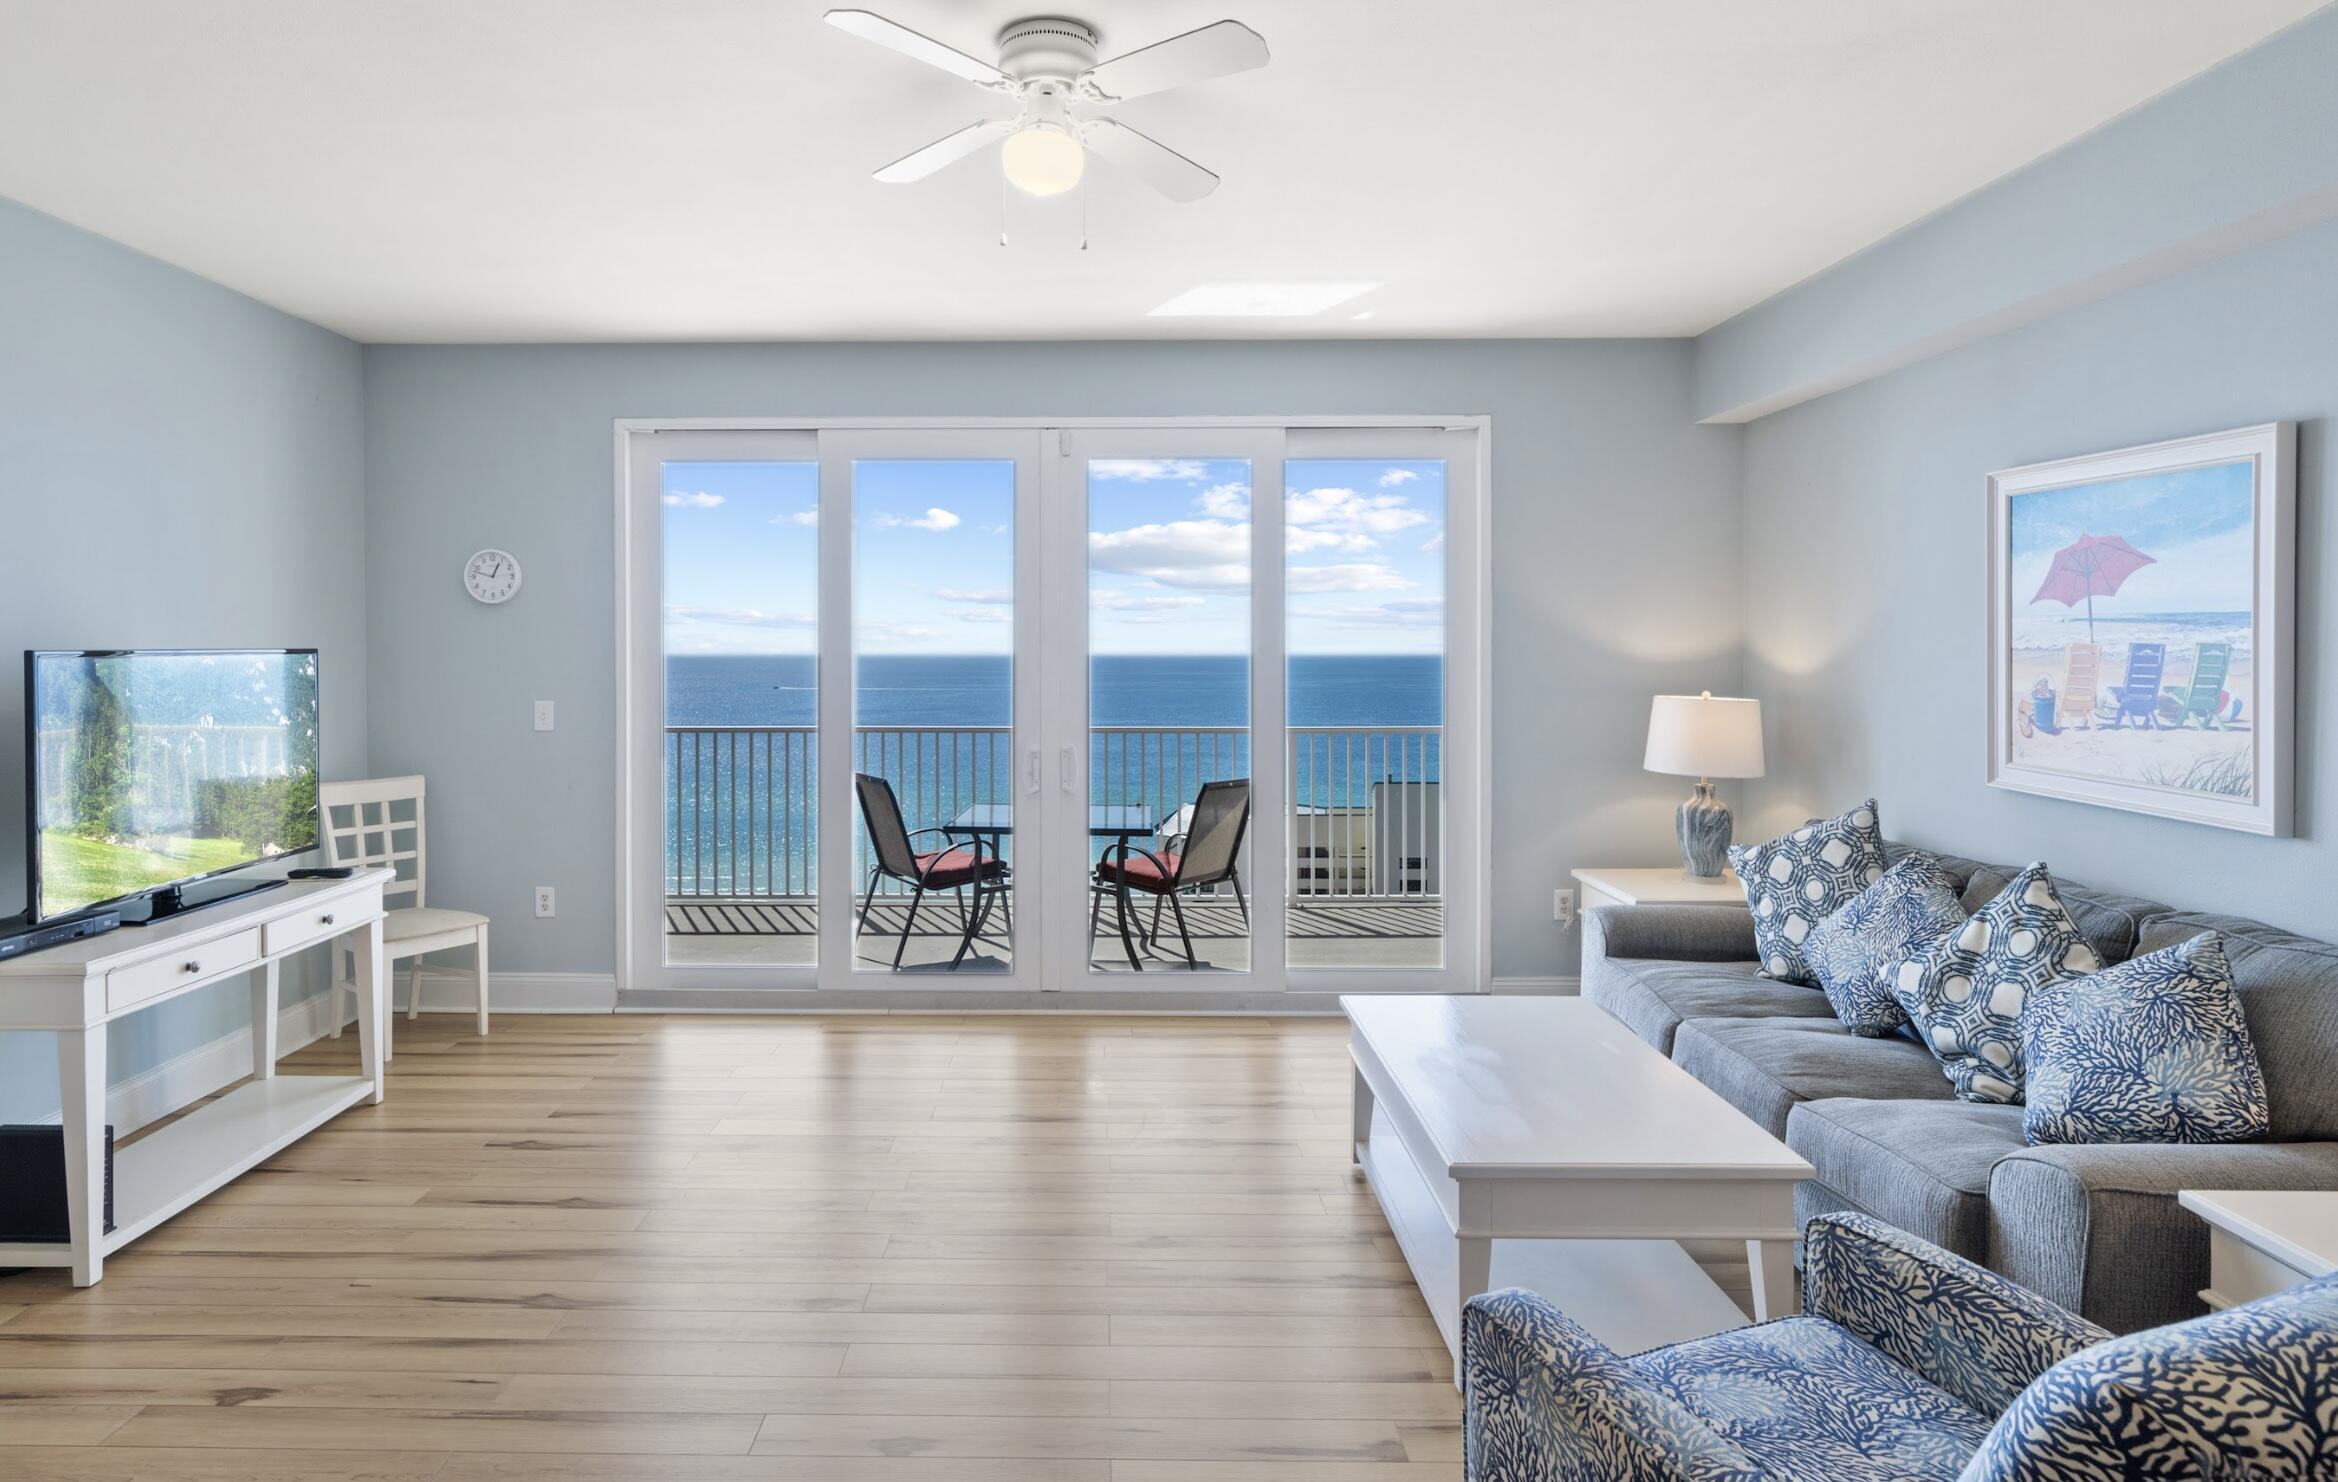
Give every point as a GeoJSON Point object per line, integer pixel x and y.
{"type": "Point", "coordinates": [1632, 1295]}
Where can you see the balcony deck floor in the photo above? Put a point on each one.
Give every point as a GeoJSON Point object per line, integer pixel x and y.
{"type": "Point", "coordinates": [782, 932]}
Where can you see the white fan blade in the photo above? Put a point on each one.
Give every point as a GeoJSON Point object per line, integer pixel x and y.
{"type": "Point", "coordinates": [1212, 51]}
{"type": "Point", "coordinates": [947, 150]}
{"type": "Point", "coordinates": [1151, 161]}
{"type": "Point", "coordinates": [870, 26]}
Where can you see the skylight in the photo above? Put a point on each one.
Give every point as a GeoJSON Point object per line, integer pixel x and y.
{"type": "Point", "coordinates": [1259, 300]}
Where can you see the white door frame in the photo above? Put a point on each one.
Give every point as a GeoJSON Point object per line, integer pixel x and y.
{"type": "Point", "coordinates": [641, 445]}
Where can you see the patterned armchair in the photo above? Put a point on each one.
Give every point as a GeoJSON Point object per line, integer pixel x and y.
{"type": "Point", "coordinates": [1909, 1363]}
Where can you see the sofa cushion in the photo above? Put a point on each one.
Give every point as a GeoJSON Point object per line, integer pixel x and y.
{"type": "Point", "coordinates": [1965, 991]}
{"type": "Point", "coordinates": [2111, 923]}
{"type": "Point", "coordinates": [1764, 1066]}
{"type": "Point", "coordinates": [2152, 1050]}
{"type": "Point", "coordinates": [1921, 1165]}
{"type": "Point", "coordinates": [2288, 987]}
{"type": "Point", "coordinates": [1912, 905]}
{"type": "Point", "coordinates": [1797, 880]}
{"type": "Point", "coordinates": [1803, 1398]}
{"type": "Point", "coordinates": [1955, 866]}
{"type": "Point", "coordinates": [1652, 997]}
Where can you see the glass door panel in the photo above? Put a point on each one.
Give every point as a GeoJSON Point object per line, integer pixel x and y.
{"type": "Point", "coordinates": [933, 584]}
{"type": "Point", "coordinates": [1166, 699]}
{"type": "Point", "coordinates": [1364, 542]}
{"type": "Point", "coordinates": [742, 690]}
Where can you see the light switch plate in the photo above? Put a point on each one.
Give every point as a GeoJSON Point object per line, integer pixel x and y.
{"type": "Point", "coordinates": [543, 715]}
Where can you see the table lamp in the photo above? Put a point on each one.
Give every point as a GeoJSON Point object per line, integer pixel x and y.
{"type": "Point", "coordinates": [1702, 737]}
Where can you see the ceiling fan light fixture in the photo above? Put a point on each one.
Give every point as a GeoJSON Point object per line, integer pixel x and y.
{"type": "Point", "coordinates": [1043, 160]}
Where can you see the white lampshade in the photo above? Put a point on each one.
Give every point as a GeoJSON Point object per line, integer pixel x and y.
{"type": "Point", "coordinates": [1700, 736]}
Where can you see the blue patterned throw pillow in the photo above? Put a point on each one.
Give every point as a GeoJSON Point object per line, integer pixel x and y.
{"type": "Point", "coordinates": [1965, 992]}
{"type": "Point", "coordinates": [1794, 883]}
{"type": "Point", "coordinates": [2153, 1050]}
{"type": "Point", "coordinates": [1911, 907]}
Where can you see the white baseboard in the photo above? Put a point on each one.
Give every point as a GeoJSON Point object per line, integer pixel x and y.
{"type": "Point", "coordinates": [450, 991]}
{"type": "Point", "coordinates": [157, 1092]}
{"type": "Point", "coordinates": [1568, 985]}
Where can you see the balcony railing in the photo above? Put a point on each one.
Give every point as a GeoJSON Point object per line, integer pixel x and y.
{"type": "Point", "coordinates": [741, 816]}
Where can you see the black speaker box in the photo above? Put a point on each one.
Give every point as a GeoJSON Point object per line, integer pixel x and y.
{"type": "Point", "coordinates": [32, 1185]}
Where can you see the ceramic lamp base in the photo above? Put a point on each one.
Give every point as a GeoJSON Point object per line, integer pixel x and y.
{"type": "Point", "coordinates": [1704, 826]}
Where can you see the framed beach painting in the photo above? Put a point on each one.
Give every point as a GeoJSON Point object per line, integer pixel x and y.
{"type": "Point", "coordinates": [2141, 628]}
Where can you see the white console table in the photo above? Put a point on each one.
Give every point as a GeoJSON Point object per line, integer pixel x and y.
{"type": "Point", "coordinates": [80, 988]}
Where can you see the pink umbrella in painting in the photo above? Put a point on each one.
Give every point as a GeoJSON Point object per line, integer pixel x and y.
{"type": "Point", "coordinates": [2090, 565]}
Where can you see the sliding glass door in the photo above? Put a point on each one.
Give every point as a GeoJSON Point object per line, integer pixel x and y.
{"type": "Point", "coordinates": [1089, 709]}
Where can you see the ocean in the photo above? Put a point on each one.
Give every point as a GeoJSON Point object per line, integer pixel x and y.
{"type": "Point", "coordinates": [740, 804]}
{"type": "Point", "coordinates": [1124, 690]}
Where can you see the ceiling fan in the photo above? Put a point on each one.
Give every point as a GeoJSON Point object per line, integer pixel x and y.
{"type": "Point", "coordinates": [1048, 65]}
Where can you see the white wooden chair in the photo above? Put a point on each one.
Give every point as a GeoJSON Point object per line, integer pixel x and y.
{"type": "Point", "coordinates": [379, 822]}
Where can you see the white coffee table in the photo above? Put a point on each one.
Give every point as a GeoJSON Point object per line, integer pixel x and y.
{"type": "Point", "coordinates": [1489, 1126]}
{"type": "Point", "coordinates": [2262, 1241]}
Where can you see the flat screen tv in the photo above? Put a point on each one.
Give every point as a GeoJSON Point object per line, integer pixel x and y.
{"type": "Point", "coordinates": [148, 769]}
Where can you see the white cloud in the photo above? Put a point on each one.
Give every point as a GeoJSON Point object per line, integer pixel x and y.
{"type": "Point", "coordinates": [1404, 612]}
{"type": "Point", "coordinates": [693, 501]}
{"type": "Point", "coordinates": [740, 617]}
{"type": "Point", "coordinates": [1112, 599]}
{"type": "Point", "coordinates": [1147, 470]}
{"type": "Point", "coordinates": [1396, 476]}
{"type": "Point", "coordinates": [1344, 520]}
{"type": "Point", "coordinates": [800, 517]}
{"type": "Point", "coordinates": [984, 598]}
{"type": "Point", "coordinates": [987, 615]}
{"type": "Point", "coordinates": [1360, 576]}
{"type": "Point", "coordinates": [892, 635]}
{"type": "Point", "coordinates": [1207, 554]}
{"type": "Point", "coordinates": [1226, 501]}
{"type": "Point", "coordinates": [932, 519]}
{"type": "Point", "coordinates": [1435, 542]}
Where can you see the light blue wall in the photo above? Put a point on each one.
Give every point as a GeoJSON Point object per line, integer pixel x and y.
{"type": "Point", "coordinates": [178, 466]}
{"type": "Point", "coordinates": [1615, 572]}
{"type": "Point", "coordinates": [2242, 154]}
{"type": "Point", "coordinates": [1865, 537]}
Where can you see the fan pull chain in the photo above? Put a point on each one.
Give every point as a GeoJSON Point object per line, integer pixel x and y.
{"type": "Point", "coordinates": [1083, 218]}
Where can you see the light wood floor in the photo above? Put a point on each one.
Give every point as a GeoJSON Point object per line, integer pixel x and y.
{"type": "Point", "coordinates": [868, 1249]}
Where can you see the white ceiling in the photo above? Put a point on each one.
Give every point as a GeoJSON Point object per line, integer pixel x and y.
{"type": "Point", "coordinates": [480, 170]}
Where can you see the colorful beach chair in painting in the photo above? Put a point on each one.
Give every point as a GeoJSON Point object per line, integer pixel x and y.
{"type": "Point", "coordinates": [2138, 690]}
{"type": "Point", "coordinates": [2203, 698]}
{"type": "Point", "coordinates": [2081, 685]}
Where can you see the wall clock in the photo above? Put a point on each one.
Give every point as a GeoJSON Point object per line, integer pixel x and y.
{"type": "Point", "coordinates": [492, 576]}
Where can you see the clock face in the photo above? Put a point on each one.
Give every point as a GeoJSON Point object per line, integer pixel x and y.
{"type": "Point", "coordinates": [492, 576]}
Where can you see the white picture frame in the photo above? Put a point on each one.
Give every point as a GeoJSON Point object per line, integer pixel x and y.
{"type": "Point", "coordinates": [2214, 749]}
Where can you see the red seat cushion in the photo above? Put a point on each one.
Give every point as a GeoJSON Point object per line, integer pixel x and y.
{"type": "Point", "coordinates": [1142, 873]}
{"type": "Point", "coordinates": [948, 869]}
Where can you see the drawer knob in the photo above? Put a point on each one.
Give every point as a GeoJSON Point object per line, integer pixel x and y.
{"type": "Point", "coordinates": [190, 967]}
{"type": "Point", "coordinates": [326, 919]}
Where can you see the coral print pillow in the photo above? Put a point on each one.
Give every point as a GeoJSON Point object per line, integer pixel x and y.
{"type": "Point", "coordinates": [1965, 992]}
{"type": "Point", "coordinates": [1912, 906]}
{"type": "Point", "coordinates": [2153, 1050]}
{"type": "Point", "coordinates": [1794, 883]}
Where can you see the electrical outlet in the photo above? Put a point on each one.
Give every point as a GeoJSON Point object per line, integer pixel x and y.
{"type": "Point", "coordinates": [544, 900]}
{"type": "Point", "coordinates": [543, 715]}
{"type": "Point", "coordinates": [1563, 907]}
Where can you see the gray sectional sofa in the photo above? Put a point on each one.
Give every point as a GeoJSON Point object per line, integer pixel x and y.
{"type": "Point", "coordinates": [2095, 1228]}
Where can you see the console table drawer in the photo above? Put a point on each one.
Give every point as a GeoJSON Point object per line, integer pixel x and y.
{"type": "Point", "coordinates": [196, 964]}
{"type": "Point", "coordinates": [313, 925]}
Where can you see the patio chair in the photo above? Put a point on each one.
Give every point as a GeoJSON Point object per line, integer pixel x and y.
{"type": "Point", "coordinates": [1208, 853]}
{"type": "Point", "coordinates": [953, 868]}
{"type": "Point", "coordinates": [2081, 686]}
{"type": "Point", "coordinates": [2211, 663]}
{"type": "Point", "coordinates": [2138, 691]}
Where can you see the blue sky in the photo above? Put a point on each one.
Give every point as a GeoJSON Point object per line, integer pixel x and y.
{"type": "Point", "coordinates": [2196, 524]}
{"type": "Point", "coordinates": [1168, 543]}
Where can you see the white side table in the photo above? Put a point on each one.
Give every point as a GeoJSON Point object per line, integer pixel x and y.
{"type": "Point", "coordinates": [1602, 887]}
{"type": "Point", "coordinates": [2262, 1241]}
